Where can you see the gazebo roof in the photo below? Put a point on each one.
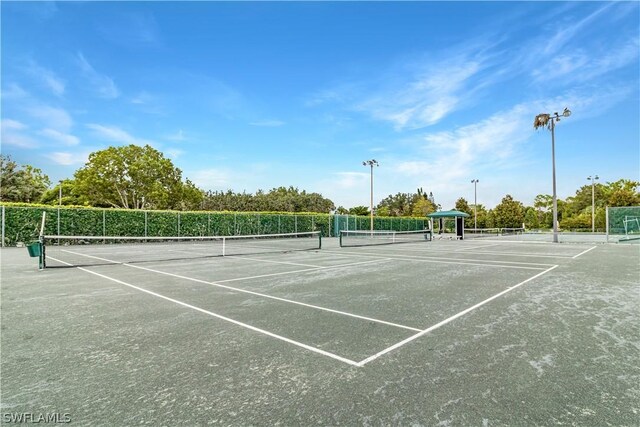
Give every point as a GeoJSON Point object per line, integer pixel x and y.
{"type": "Point", "coordinates": [448, 214]}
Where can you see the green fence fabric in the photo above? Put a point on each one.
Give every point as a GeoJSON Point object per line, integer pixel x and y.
{"type": "Point", "coordinates": [22, 223]}
{"type": "Point", "coordinates": [623, 220]}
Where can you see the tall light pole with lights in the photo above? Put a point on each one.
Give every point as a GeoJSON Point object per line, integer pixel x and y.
{"type": "Point", "coordinates": [371, 163]}
{"type": "Point", "coordinates": [593, 201]}
{"type": "Point", "coordinates": [549, 121]}
{"type": "Point", "coordinates": [475, 202]}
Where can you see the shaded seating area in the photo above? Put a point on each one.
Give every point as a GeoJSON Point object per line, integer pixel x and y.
{"type": "Point", "coordinates": [442, 216]}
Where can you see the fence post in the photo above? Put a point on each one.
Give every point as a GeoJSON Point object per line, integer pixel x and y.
{"type": "Point", "coordinates": [104, 224]}
{"type": "Point", "coordinates": [606, 222]}
{"type": "Point", "coordinates": [2, 244]}
{"type": "Point", "coordinates": [295, 223]}
{"type": "Point", "coordinates": [58, 226]}
{"type": "Point", "coordinates": [146, 222]}
{"type": "Point", "coordinates": [178, 224]}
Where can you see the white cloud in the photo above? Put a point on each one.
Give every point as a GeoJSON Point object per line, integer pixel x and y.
{"type": "Point", "coordinates": [427, 98]}
{"type": "Point", "coordinates": [178, 136]}
{"type": "Point", "coordinates": [64, 138]}
{"type": "Point", "coordinates": [18, 140]}
{"type": "Point", "coordinates": [14, 91]}
{"type": "Point", "coordinates": [12, 133]}
{"type": "Point", "coordinates": [47, 77]}
{"type": "Point", "coordinates": [104, 85]}
{"type": "Point", "coordinates": [267, 123]}
{"type": "Point", "coordinates": [350, 180]}
{"type": "Point", "coordinates": [115, 134]}
{"type": "Point", "coordinates": [173, 153]}
{"type": "Point", "coordinates": [211, 179]}
{"type": "Point", "coordinates": [53, 118]}
{"type": "Point", "coordinates": [68, 159]}
{"type": "Point", "coordinates": [8, 124]}
{"type": "Point", "coordinates": [142, 98]}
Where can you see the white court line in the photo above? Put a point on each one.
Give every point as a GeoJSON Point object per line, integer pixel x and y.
{"type": "Point", "coordinates": [480, 262]}
{"type": "Point", "coordinates": [584, 252]}
{"type": "Point", "coordinates": [245, 291]}
{"type": "Point", "coordinates": [218, 316]}
{"type": "Point", "coordinates": [445, 321]}
{"type": "Point", "coordinates": [475, 247]}
{"type": "Point", "coordinates": [273, 262]}
{"type": "Point", "coordinates": [470, 249]}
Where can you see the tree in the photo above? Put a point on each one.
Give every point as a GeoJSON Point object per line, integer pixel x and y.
{"type": "Point", "coordinates": [531, 219]}
{"type": "Point", "coordinates": [281, 199]}
{"type": "Point", "coordinates": [421, 208]}
{"type": "Point", "coordinates": [463, 206]}
{"type": "Point", "coordinates": [359, 210]}
{"type": "Point", "coordinates": [408, 204]}
{"type": "Point", "coordinates": [509, 213]}
{"type": "Point", "coordinates": [21, 184]}
{"type": "Point", "coordinates": [134, 177]}
{"type": "Point", "coordinates": [622, 193]}
{"type": "Point", "coordinates": [70, 195]}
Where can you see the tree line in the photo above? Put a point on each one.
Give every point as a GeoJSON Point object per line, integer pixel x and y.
{"type": "Point", "coordinates": [134, 177]}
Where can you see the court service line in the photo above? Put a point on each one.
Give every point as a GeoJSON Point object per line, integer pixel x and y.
{"type": "Point", "coordinates": [282, 273]}
{"type": "Point", "coordinates": [584, 252]}
{"type": "Point", "coordinates": [445, 321]}
{"type": "Point", "coordinates": [218, 316]}
{"type": "Point", "coordinates": [470, 249]}
{"type": "Point", "coordinates": [475, 247]}
{"type": "Point", "coordinates": [255, 259]}
{"type": "Point", "coordinates": [273, 262]}
{"type": "Point", "coordinates": [245, 291]}
{"type": "Point", "coordinates": [525, 266]}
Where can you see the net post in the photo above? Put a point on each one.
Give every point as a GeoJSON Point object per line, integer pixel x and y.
{"type": "Point", "coordinates": [340, 238]}
{"type": "Point", "coordinates": [224, 244]}
{"type": "Point", "coordinates": [320, 240]}
{"type": "Point", "coordinates": [42, 256]}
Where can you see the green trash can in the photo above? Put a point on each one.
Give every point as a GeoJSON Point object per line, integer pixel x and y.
{"type": "Point", "coordinates": [35, 249]}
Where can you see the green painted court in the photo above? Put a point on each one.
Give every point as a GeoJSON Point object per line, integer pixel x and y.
{"type": "Point", "coordinates": [504, 331]}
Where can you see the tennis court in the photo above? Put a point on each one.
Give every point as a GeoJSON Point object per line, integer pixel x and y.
{"type": "Point", "coordinates": [442, 332]}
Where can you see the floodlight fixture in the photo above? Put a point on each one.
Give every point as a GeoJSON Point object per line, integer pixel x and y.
{"type": "Point", "coordinates": [549, 120]}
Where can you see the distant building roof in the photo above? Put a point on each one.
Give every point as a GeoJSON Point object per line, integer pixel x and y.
{"type": "Point", "coordinates": [448, 214]}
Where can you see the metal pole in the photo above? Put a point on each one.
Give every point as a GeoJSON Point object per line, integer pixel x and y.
{"type": "Point", "coordinates": [475, 203]}
{"type": "Point", "coordinates": [593, 205]}
{"type": "Point", "coordinates": [2, 243]}
{"type": "Point", "coordinates": [555, 198]}
{"type": "Point", "coordinates": [371, 201]}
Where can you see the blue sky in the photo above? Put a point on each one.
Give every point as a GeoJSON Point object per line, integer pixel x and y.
{"type": "Point", "coordinates": [247, 95]}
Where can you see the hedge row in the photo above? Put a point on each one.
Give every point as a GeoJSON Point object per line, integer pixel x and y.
{"type": "Point", "coordinates": [22, 223]}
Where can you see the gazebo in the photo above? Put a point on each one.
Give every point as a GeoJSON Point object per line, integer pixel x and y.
{"type": "Point", "coordinates": [458, 216]}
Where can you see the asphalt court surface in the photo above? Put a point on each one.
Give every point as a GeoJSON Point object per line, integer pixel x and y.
{"type": "Point", "coordinates": [365, 308]}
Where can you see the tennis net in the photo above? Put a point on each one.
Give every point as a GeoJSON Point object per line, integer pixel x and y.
{"type": "Point", "coordinates": [510, 231]}
{"type": "Point", "coordinates": [472, 233]}
{"type": "Point", "coordinates": [350, 238]}
{"type": "Point", "coordinates": [103, 250]}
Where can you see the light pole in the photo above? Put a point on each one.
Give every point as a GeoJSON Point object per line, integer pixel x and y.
{"type": "Point", "coordinates": [475, 203]}
{"type": "Point", "coordinates": [593, 201]}
{"type": "Point", "coordinates": [60, 193]}
{"type": "Point", "coordinates": [549, 121]}
{"type": "Point", "coordinates": [371, 163]}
